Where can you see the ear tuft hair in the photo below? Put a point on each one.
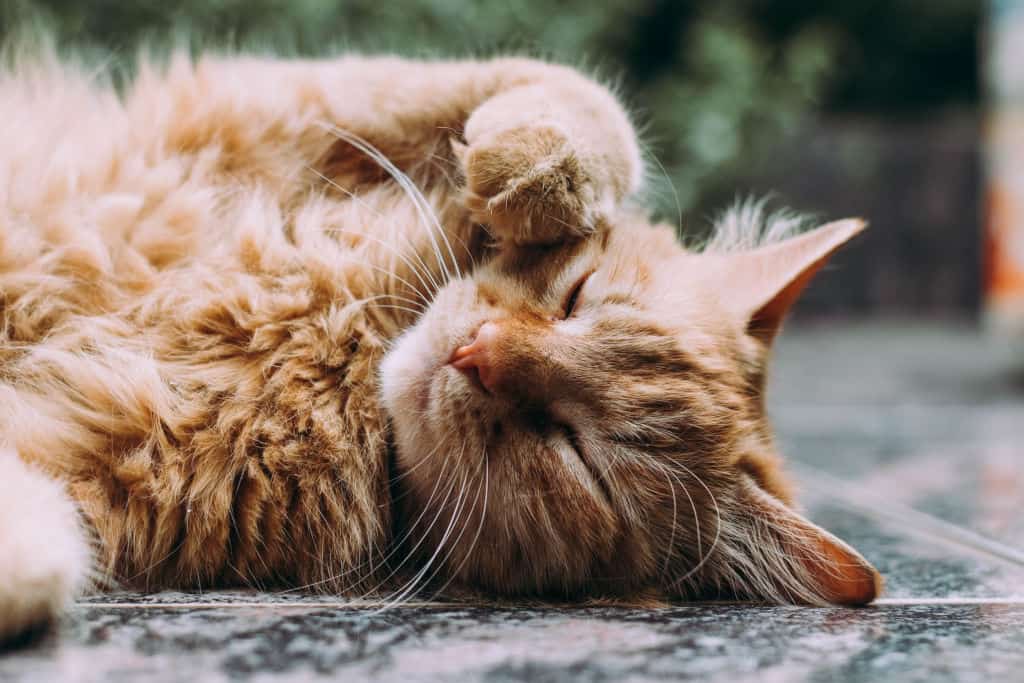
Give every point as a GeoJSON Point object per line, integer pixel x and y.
{"type": "Point", "coordinates": [748, 224]}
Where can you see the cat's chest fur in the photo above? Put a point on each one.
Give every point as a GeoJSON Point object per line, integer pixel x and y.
{"type": "Point", "coordinates": [259, 454]}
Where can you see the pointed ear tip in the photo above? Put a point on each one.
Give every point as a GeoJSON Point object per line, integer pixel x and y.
{"type": "Point", "coordinates": [847, 227]}
{"type": "Point", "coordinates": [865, 589]}
{"type": "Point", "coordinates": [870, 593]}
{"type": "Point", "coordinates": [857, 224]}
{"type": "Point", "coordinates": [879, 583]}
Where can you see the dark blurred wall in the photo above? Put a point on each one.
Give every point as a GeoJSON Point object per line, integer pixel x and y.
{"type": "Point", "coordinates": [918, 182]}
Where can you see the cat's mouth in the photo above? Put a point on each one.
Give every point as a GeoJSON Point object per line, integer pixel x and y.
{"type": "Point", "coordinates": [443, 371]}
{"type": "Point", "coordinates": [441, 383]}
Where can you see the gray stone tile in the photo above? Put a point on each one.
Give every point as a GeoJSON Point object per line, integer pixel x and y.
{"type": "Point", "coordinates": [710, 643]}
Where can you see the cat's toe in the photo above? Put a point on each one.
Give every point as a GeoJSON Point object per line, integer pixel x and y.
{"type": "Point", "coordinates": [528, 185]}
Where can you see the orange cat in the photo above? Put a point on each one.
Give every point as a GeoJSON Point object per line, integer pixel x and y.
{"type": "Point", "coordinates": [370, 325]}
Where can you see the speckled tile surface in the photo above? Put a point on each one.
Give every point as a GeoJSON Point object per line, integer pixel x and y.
{"type": "Point", "coordinates": [908, 442]}
{"type": "Point", "coordinates": [918, 643]}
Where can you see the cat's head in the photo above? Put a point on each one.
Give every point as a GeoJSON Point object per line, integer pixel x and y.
{"type": "Point", "coordinates": [589, 418]}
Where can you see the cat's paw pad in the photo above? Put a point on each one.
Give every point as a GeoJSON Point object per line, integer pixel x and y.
{"type": "Point", "coordinates": [528, 185]}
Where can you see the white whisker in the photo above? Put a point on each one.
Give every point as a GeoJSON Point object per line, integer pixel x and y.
{"type": "Point", "coordinates": [675, 521]}
{"type": "Point", "coordinates": [426, 507]}
{"type": "Point", "coordinates": [396, 545]}
{"type": "Point", "coordinates": [410, 585]}
{"type": "Point", "coordinates": [476, 537]}
{"type": "Point", "coordinates": [419, 201]}
{"type": "Point", "coordinates": [433, 286]}
{"type": "Point", "coordinates": [718, 528]}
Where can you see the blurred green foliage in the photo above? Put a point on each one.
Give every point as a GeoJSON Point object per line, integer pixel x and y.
{"type": "Point", "coordinates": [714, 83]}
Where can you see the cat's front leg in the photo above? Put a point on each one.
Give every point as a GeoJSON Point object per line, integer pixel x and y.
{"type": "Point", "coordinates": [549, 159]}
{"type": "Point", "coordinates": [44, 555]}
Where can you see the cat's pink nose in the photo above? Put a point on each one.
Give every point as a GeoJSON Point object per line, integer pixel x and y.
{"type": "Point", "coordinates": [477, 359]}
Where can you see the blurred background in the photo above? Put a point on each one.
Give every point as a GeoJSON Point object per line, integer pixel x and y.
{"type": "Point", "coordinates": [869, 108]}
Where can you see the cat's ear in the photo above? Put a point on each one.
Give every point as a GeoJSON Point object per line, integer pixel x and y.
{"type": "Point", "coordinates": [798, 560]}
{"type": "Point", "coordinates": [761, 285]}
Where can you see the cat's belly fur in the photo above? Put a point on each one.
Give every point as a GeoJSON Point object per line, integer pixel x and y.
{"type": "Point", "coordinates": [221, 427]}
{"type": "Point", "coordinates": [275, 473]}
{"type": "Point", "coordinates": [183, 343]}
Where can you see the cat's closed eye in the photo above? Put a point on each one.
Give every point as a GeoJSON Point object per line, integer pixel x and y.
{"type": "Point", "coordinates": [575, 292]}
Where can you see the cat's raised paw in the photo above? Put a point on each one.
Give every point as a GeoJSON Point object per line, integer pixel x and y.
{"type": "Point", "coordinates": [529, 186]}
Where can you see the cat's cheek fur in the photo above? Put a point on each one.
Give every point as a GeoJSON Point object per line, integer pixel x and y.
{"type": "Point", "coordinates": [44, 555]}
{"type": "Point", "coordinates": [408, 370]}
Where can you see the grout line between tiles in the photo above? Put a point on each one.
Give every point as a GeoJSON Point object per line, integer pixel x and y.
{"type": "Point", "coordinates": [319, 604]}
{"type": "Point", "coordinates": [882, 602]}
{"type": "Point", "coordinates": [909, 602]}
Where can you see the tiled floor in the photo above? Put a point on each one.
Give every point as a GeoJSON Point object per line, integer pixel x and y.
{"type": "Point", "coordinates": [909, 442]}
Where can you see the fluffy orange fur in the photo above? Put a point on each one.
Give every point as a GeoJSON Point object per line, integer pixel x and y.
{"type": "Point", "coordinates": [229, 299]}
